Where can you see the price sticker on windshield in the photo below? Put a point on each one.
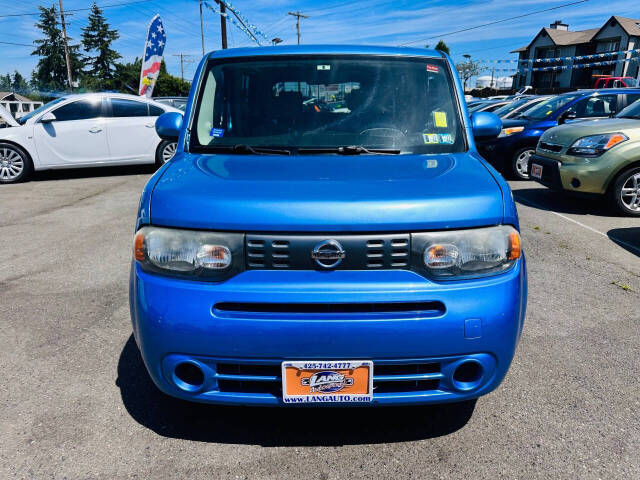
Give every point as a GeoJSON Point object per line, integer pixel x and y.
{"type": "Point", "coordinates": [432, 68]}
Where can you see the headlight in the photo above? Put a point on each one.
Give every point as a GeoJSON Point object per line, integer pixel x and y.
{"type": "Point", "coordinates": [505, 132]}
{"type": "Point", "coordinates": [467, 253]}
{"type": "Point", "coordinates": [186, 253]}
{"type": "Point", "coordinates": [595, 145]}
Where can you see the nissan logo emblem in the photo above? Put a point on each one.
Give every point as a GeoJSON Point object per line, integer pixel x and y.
{"type": "Point", "coordinates": [328, 254]}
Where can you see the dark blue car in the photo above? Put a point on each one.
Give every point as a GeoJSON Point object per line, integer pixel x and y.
{"type": "Point", "coordinates": [365, 254]}
{"type": "Point", "coordinates": [510, 152]}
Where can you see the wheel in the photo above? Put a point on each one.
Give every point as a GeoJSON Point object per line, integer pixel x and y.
{"type": "Point", "coordinates": [166, 151]}
{"type": "Point", "coordinates": [626, 192]}
{"type": "Point", "coordinates": [15, 164]}
{"type": "Point", "coordinates": [520, 163]}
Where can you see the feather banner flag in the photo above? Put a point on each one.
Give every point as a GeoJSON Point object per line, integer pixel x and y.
{"type": "Point", "coordinates": [152, 57]}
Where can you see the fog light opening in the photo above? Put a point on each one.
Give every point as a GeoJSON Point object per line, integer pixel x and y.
{"type": "Point", "coordinates": [188, 376]}
{"type": "Point", "coordinates": [468, 375]}
{"type": "Point", "coordinates": [575, 183]}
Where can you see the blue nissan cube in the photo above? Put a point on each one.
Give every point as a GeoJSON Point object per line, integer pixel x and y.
{"type": "Point", "coordinates": [327, 234]}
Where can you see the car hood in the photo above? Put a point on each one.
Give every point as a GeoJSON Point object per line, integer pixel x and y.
{"type": "Point", "coordinates": [326, 193]}
{"type": "Point", "coordinates": [6, 116]}
{"type": "Point", "coordinates": [568, 133]}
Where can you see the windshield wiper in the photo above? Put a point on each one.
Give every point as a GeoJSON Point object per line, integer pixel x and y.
{"type": "Point", "coordinates": [350, 150]}
{"type": "Point", "coordinates": [635, 117]}
{"type": "Point", "coordinates": [242, 149]}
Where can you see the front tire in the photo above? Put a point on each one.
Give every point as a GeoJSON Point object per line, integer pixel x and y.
{"type": "Point", "coordinates": [15, 164]}
{"type": "Point", "coordinates": [520, 163]}
{"type": "Point", "coordinates": [625, 193]}
{"type": "Point", "coordinates": [165, 152]}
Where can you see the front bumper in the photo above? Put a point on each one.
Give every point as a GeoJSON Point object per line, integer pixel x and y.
{"type": "Point", "coordinates": [416, 353]}
{"type": "Point", "coordinates": [589, 176]}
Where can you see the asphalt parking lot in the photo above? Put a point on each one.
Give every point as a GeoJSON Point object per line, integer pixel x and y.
{"type": "Point", "coordinates": [76, 401]}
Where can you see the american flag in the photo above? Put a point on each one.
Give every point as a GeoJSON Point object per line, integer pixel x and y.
{"type": "Point", "coordinates": [152, 58]}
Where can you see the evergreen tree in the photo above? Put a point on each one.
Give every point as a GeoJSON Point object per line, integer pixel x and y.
{"type": "Point", "coordinates": [441, 46]}
{"type": "Point", "coordinates": [51, 71]}
{"type": "Point", "coordinates": [19, 83]}
{"type": "Point", "coordinates": [96, 40]}
{"type": "Point", "coordinates": [5, 82]}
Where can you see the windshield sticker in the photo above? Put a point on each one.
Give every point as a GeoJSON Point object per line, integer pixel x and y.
{"type": "Point", "coordinates": [324, 67]}
{"type": "Point", "coordinates": [430, 138]}
{"type": "Point", "coordinates": [432, 68]}
{"type": "Point", "coordinates": [217, 132]}
{"type": "Point", "coordinates": [446, 138]}
{"type": "Point", "coordinates": [440, 119]}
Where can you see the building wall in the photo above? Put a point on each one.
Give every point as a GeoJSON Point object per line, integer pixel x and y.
{"type": "Point", "coordinates": [603, 40]}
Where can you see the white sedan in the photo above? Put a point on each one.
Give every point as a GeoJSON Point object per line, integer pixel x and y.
{"type": "Point", "coordinates": [85, 130]}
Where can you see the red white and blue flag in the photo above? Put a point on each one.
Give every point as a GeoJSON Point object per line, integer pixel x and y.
{"type": "Point", "coordinates": [152, 58]}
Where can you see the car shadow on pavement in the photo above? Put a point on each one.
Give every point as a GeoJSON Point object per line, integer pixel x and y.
{"type": "Point", "coordinates": [69, 173]}
{"type": "Point", "coordinates": [273, 427]}
{"type": "Point", "coordinates": [627, 238]}
{"type": "Point", "coordinates": [543, 198]}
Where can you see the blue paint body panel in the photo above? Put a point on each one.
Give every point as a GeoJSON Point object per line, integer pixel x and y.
{"type": "Point", "coordinates": [176, 321]}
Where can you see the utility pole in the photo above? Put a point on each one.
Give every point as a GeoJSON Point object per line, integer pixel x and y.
{"type": "Point", "coordinates": [298, 16]}
{"type": "Point", "coordinates": [66, 47]}
{"type": "Point", "coordinates": [201, 28]}
{"type": "Point", "coordinates": [183, 60]}
{"type": "Point", "coordinates": [493, 71]}
{"type": "Point", "coordinates": [223, 23]}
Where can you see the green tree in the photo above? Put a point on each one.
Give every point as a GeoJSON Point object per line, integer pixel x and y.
{"type": "Point", "coordinates": [467, 70]}
{"type": "Point", "coordinates": [441, 46]}
{"type": "Point", "coordinates": [19, 83]}
{"type": "Point", "coordinates": [97, 38]}
{"type": "Point", "coordinates": [127, 80]}
{"type": "Point", "coordinates": [51, 71]}
{"type": "Point", "coordinates": [5, 82]}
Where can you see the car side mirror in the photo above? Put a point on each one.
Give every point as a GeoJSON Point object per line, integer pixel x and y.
{"type": "Point", "coordinates": [168, 126]}
{"type": "Point", "coordinates": [48, 118]}
{"type": "Point", "coordinates": [485, 125]}
{"type": "Point", "coordinates": [565, 116]}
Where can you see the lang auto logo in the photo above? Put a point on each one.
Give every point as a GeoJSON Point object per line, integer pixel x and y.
{"type": "Point", "coordinates": [327, 382]}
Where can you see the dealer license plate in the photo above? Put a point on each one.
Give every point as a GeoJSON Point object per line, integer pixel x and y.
{"type": "Point", "coordinates": [536, 170]}
{"type": "Point", "coordinates": [346, 381]}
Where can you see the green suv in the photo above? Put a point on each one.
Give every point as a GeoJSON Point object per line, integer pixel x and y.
{"type": "Point", "coordinates": [594, 157]}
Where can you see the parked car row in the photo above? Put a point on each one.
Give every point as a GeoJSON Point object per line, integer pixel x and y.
{"type": "Point", "coordinates": [597, 157]}
{"type": "Point", "coordinates": [511, 151]}
{"type": "Point", "coordinates": [95, 129]}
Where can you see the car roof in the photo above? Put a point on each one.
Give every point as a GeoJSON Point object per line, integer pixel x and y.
{"type": "Point", "coordinates": [591, 91]}
{"type": "Point", "coordinates": [77, 96]}
{"type": "Point", "coordinates": [325, 49]}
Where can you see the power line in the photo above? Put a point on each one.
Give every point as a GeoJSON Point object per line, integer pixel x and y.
{"type": "Point", "coordinates": [77, 9]}
{"type": "Point", "coordinates": [19, 44]}
{"type": "Point", "coordinates": [494, 22]}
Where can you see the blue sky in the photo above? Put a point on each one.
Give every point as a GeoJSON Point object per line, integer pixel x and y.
{"type": "Point", "coordinates": [386, 22]}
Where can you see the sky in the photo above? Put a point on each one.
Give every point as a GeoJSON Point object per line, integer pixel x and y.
{"type": "Point", "coordinates": [373, 22]}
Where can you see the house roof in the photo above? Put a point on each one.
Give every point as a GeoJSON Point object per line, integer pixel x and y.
{"type": "Point", "coordinates": [16, 97]}
{"type": "Point", "coordinates": [566, 37]}
{"type": "Point", "coordinates": [631, 26]}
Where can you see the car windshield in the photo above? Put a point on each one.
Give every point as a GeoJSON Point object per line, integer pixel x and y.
{"type": "Point", "coordinates": [544, 109]}
{"type": "Point", "coordinates": [630, 111]}
{"type": "Point", "coordinates": [510, 107]}
{"type": "Point", "coordinates": [37, 111]}
{"type": "Point", "coordinates": [327, 102]}
{"type": "Point", "coordinates": [478, 106]}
